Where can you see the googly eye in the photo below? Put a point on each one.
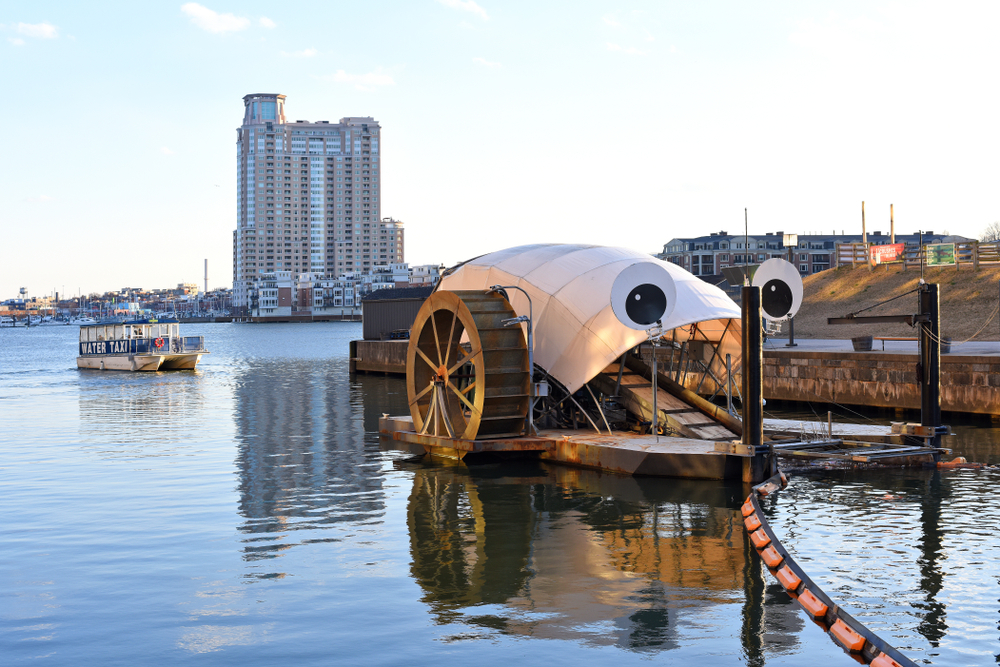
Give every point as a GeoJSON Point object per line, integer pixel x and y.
{"type": "Point", "coordinates": [780, 289]}
{"type": "Point", "coordinates": [642, 295]}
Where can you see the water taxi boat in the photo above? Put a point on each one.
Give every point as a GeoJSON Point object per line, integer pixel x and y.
{"type": "Point", "coordinates": [138, 345]}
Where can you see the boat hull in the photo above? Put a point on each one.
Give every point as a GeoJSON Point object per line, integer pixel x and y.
{"type": "Point", "coordinates": [141, 362]}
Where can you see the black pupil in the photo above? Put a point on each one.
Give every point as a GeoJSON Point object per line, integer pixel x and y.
{"type": "Point", "coordinates": [646, 304]}
{"type": "Point", "coordinates": [776, 298]}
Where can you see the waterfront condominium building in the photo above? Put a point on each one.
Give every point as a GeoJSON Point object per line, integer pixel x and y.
{"type": "Point", "coordinates": [308, 197]}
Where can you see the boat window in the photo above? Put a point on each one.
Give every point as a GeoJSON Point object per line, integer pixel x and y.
{"type": "Point", "coordinates": [175, 330]}
{"type": "Point", "coordinates": [83, 334]}
{"type": "Point", "coordinates": [119, 332]}
{"type": "Point", "coordinates": [100, 333]}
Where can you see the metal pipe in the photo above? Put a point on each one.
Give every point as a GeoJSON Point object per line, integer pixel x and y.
{"type": "Point", "coordinates": [584, 412]}
{"type": "Point", "coordinates": [729, 383]}
{"type": "Point", "coordinates": [655, 392]}
{"type": "Point", "coordinates": [621, 369]}
{"type": "Point", "coordinates": [599, 408]}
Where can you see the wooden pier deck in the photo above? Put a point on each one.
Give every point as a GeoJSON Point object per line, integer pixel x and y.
{"type": "Point", "coordinates": [626, 453]}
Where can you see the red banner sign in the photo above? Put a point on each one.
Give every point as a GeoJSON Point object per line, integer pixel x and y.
{"type": "Point", "coordinates": [879, 254]}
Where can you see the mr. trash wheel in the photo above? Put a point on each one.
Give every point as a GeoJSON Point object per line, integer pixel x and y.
{"type": "Point", "coordinates": [472, 390]}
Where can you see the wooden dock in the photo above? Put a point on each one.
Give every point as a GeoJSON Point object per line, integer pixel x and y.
{"type": "Point", "coordinates": [625, 453]}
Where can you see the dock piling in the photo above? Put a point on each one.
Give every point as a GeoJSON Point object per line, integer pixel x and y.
{"type": "Point", "coordinates": [753, 361]}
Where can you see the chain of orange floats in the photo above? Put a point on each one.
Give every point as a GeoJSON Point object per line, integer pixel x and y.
{"type": "Point", "coordinates": [845, 630]}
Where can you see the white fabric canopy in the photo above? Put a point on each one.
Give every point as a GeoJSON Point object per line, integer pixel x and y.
{"type": "Point", "coordinates": [576, 332]}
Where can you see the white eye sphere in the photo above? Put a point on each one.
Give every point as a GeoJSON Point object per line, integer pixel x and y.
{"type": "Point", "coordinates": [642, 295]}
{"type": "Point", "coordinates": [781, 289]}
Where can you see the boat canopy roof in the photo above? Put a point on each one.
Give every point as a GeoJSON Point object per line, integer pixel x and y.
{"type": "Point", "coordinates": [107, 323]}
{"type": "Point", "coordinates": [154, 320]}
{"type": "Point", "coordinates": [576, 331]}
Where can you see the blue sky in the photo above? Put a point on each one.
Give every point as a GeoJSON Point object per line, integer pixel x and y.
{"type": "Point", "coordinates": [504, 123]}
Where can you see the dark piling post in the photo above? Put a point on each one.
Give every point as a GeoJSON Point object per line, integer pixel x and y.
{"type": "Point", "coordinates": [930, 360]}
{"type": "Point", "coordinates": [753, 360]}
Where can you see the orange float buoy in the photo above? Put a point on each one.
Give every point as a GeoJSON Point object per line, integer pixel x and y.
{"type": "Point", "coordinates": [752, 522]}
{"type": "Point", "coordinates": [846, 637]}
{"type": "Point", "coordinates": [884, 661]}
{"type": "Point", "coordinates": [788, 579]}
{"type": "Point", "coordinates": [759, 539]}
{"type": "Point", "coordinates": [747, 508]}
{"type": "Point", "coordinates": [812, 604]}
{"type": "Point", "coordinates": [771, 556]}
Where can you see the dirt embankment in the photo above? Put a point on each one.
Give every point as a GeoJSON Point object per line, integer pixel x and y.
{"type": "Point", "coordinates": [968, 299]}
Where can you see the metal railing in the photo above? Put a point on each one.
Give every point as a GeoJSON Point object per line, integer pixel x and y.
{"type": "Point", "coordinates": [168, 345]}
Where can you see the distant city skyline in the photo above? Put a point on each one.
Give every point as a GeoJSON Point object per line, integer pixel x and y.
{"type": "Point", "coordinates": [507, 123]}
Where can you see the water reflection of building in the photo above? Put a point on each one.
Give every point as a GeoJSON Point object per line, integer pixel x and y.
{"type": "Point", "coordinates": [560, 553]}
{"type": "Point", "coordinates": [304, 459]}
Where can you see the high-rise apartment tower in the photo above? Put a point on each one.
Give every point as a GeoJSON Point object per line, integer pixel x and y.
{"type": "Point", "coordinates": [308, 197]}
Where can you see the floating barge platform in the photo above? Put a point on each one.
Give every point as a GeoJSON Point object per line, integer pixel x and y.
{"type": "Point", "coordinates": [625, 453]}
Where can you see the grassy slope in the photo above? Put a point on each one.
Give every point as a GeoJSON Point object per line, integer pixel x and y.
{"type": "Point", "coordinates": [968, 298]}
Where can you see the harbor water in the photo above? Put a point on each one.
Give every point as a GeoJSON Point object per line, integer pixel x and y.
{"type": "Point", "coordinates": [246, 513]}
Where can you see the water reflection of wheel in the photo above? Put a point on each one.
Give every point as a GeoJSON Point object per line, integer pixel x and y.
{"type": "Point", "coordinates": [466, 373]}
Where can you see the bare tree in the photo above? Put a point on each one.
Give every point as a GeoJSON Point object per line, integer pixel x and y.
{"type": "Point", "coordinates": [991, 233]}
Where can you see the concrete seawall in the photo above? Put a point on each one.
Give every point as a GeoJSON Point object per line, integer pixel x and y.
{"type": "Point", "coordinates": [969, 384]}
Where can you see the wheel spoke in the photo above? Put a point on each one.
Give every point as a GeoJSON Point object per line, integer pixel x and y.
{"type": "Point", "coordinates": [460, 362]}
{"type": "Point", "coordinates": [422, 394]}
{"type": "Point", "coordinates": [472, 385]}
{"type": "Point", "coordinates": [462, 398]}
{"type": "Point", "coordinates": [426, 358]}
{"type": "Point", "coordinates": [429, 417]}
{"type": "Point", "coordinates": [437, 339]}
{"type": "Point", "coordinates": [443, 410]}
{"type": "Point", "coordinates": [447, 349]}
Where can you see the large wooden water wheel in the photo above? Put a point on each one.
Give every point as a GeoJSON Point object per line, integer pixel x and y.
{"type": "Point", "coordinates": [472, 388]}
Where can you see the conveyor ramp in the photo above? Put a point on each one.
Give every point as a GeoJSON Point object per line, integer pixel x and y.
{"type": "Point", "coordinates": [676, 416]}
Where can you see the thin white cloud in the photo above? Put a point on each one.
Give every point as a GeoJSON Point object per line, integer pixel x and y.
{"type": "Point", "coordinates": [266, 22]}
{"type": "Point", "coordinates": [166, 151]}
{"type": "Point", "coordinates": [16, 41]}
{"type": "Point", "coordinates": [304, 53]}
{"type": "Point", "coordinates": [38, 30]}
{"type": "Point", "coordinates": [486, 63]}
{"type": "Point", "coordinates": [628, 50]}
{"type": "Point", "coordinates": [212, 21]}
{"type": "Point", "coordinates": [40, 199]}
{"type": "Point", "coordinates": [610, 20]}
{"type": "Point", "coordinates": [367, 82]}
{"type": "Point", "coordinates": [466, 6]}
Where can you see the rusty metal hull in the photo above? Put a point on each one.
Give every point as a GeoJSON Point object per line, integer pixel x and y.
{"type": "Point", "coordinates": [624, 453]}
